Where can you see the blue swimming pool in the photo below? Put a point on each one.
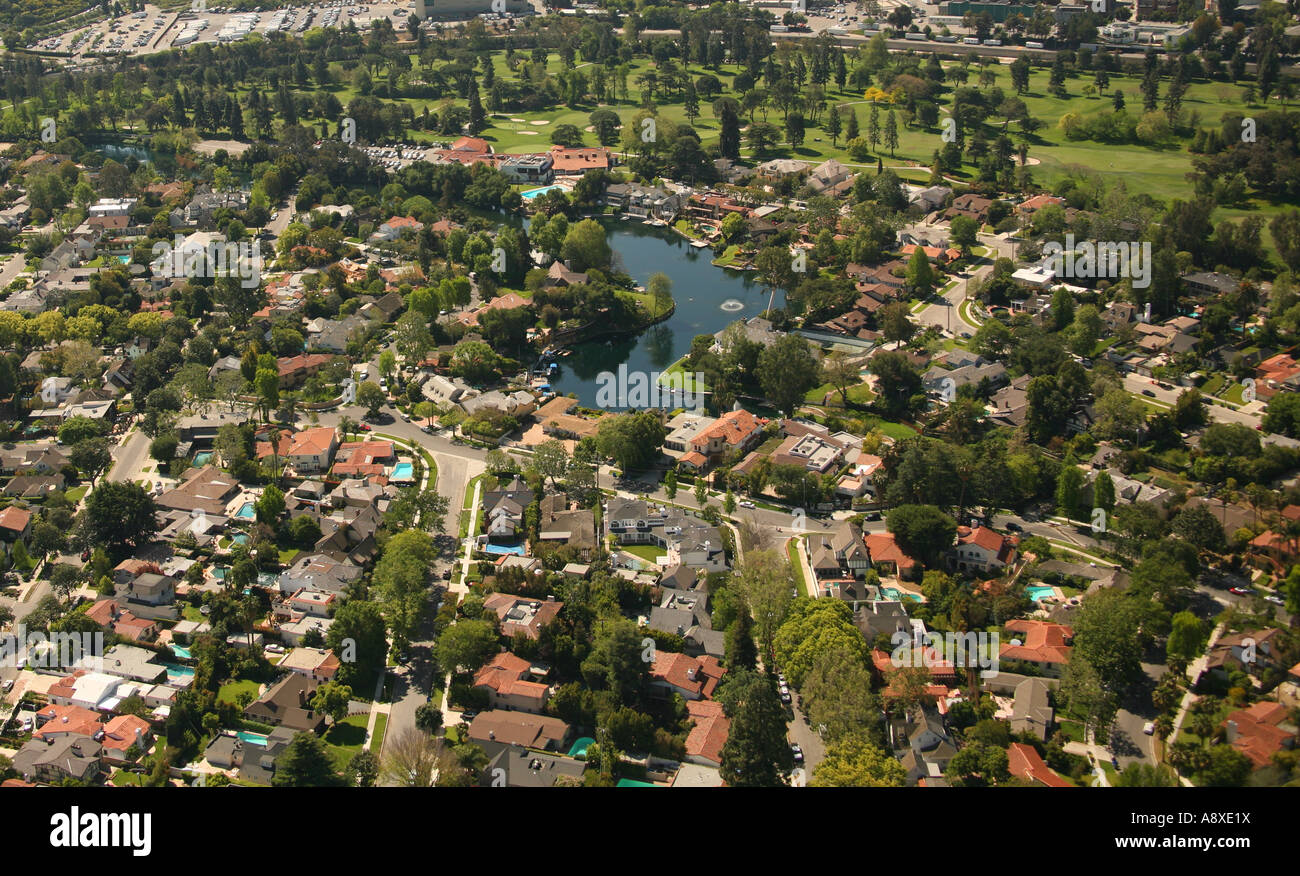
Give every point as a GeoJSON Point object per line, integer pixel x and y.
{"type": "Point", "coordinates": [202, 458]}
{"type": "Point", "coordinates": [504, 549]}
{"type": "Point", "coordinates": [241, 538]}
{"type": "Point", "coordinates": [175, 670]}
{"type": "Point", "coordinates": [1037, 593]}
{"type": "Point", "coordinates": [252, 738]}
{"type": "Point", "coordinates": [180, 651]}
{"type": "Point", "coordinates": [533, 193]}
{"type": "Point", "coordinates": [246, 511]}
{"type": "Point", "coordinates": [895, 594]}
{"type": "Point", "coordinates": [403, 471]}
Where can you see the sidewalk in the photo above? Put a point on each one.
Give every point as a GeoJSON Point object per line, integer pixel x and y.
{"type": "Point", "coordinates": [376, 709]}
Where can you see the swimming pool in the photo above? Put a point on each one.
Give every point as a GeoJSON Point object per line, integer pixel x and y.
{"type": "Point", "coordinates": [533, 193]}
{"type": "Point", "coordinates": [246, 511]}
{"type": "Point", "coordinates": [1038, 593]}
{"type": "Point", "coordinates": [503, 549]}
{"type": "Point", "coordinates": [895, 594]}
{"type": "Point", "coordinates": [180, 651]}
{"type": "Point", "coordinates": [253, 738]}
{"type": "Point", "coordinates": [202, 458]}
{"type": "Point", "coordinates": [241, 538]}
{"type": "Point", "coordinates": [403, 471]}
{"type": "Point", "coordinates": [176, 671]}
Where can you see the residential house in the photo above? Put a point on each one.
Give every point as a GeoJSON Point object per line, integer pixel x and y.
{"type": "Point", "coordinates": [287, 703]}
{"type": "Point", "coordinates": [76, 757]}
{"type": "Point", "coordinates": [520, 728]}
{"type": "Point", "coordinates": [983, 550]}
{"type": "Point", "coordinates": [318, 664]}
{"type": "Point", "coordinates": [312, 450]}
{"type": "Point", "coordinates": [505, 679]}
{"type": "Point", "coordinates": [694, 678]}
{"type": "Point", "coordinates": [1045, 645]}
{"type": "Point", "coordinates": [519, 614]}
{"type": "Point", "coordinates": [1259, 732]}
{"type": "Point", "coordinates": [708, 733]}
{"type": "Point", "coordinates": [1025, 761]}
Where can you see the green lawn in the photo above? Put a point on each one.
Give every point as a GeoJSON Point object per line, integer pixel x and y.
{"type": "Point", "coordinates": [792, 548]}
{"type": "Point", "coordinates": [345, 739]}
{"type": "Point", "coordinates": [381, 727]}
{"type": "Point", "coordinates": [647, 552]}
{"type": "Point", "coordinates": [75, 494]}
{"type": "Point", "coordinates": [229, 692]}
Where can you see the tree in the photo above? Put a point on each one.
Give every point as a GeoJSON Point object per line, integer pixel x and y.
{"type": "Point", "coordinates": [660, 287]}
{"type": "Point", "coordinates": [402, 577]}
{"type": "Point", "coordinates": [922, 531]}
{"type": "Point", "coordinates": [897, 382]}
{"type": "Point", "coordinates": [332, 699]}
{"type": "Point", "coordinates": [891, 132]}
{"type": "Point", "coordinates": [119, 516]}
{"type": "Point", "coordinates": [91, 457]}
{"type": "Point", "coordinates": [371, 397]}
{"type": "Point", "coordinates": [787, 369]}
{"type": "Point", "coordinates": [270, 505]}
{"type": "Point", "coordinates": [756, 754]}
{"type": "Point", "coordinates": [1069, 492]}
{"type": "Point", "coordinates": [841, 372]}
{"type": "Point", "coordinates": [964, 232]}
{"type": "Point", "coordinates": [363, 767]}
{"type": "Point", "coordinates": [466, 646]}
{"type": "Point", "coordinates": [359, 632]}
{"type": "Point", "coordinates": [1282, 416]}
{"type": "Point", "coordinates": [617, 661]}
{"type": "Point", "coordinates": [1187, 637]}
{"type": "Point", "coordinates": [632, 439]}
{"type": "Point", "coordinates": [765, 583]}
{"type": "Point", "coordinates": [1198, 525]}
{"type": "Point", "coordinates": [836, 694]}
{"type": "Point", "coordinates": [412, 759]}
{"type": "Point", "coordinates": [586, 246]}
{"type": "Point", "coordinates": [428, 717]}
{"type": "Point", "coordinates": [920, 274]}
{"type": "Point", "coordinates": [551, 460]}
{"type": "Point", "coordinates": [853, 762]}
{"type": "Point", "coordinates": [306, 763]}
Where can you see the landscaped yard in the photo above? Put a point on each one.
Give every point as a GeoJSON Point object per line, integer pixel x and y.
{"type": "Point", "coordinates": [648, 552]}
{"type": "Point", "coordinates": [345, 739]}
{"type": "Point", "coordinates": [229, 692]}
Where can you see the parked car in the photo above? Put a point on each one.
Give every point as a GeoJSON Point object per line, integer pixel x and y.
{"type": "Point", "coordinates": [797, 752]}
{"type": "Point", "coordinates": [1241, 591]}
{"type": "Point", "coordinates": [1149, 728]}
{"type": "Point", "coordinates": [1275, 599]}
{"type": "Point", "coordinates": [1012, 526]}
{"type": "Point", "coordinates": [745, 503]}
{"type": "Point", "coordinates": [1148, 392]}
{"type": "Point", "coordinates": [8, 685]}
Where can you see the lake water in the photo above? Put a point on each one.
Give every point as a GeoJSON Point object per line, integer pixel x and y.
{"type": "Point", "coordinates": [708, 299]}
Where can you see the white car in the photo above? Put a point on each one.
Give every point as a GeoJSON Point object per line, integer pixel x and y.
{"type": "Point", "coordinates": [1149, 728]}
{"type": "Point", "coordinates": [745, 503]}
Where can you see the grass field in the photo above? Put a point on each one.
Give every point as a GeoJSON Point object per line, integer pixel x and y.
{"type": "Point", "coordinates": [1159, 172]}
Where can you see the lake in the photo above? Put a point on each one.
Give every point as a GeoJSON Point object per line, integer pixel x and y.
{"type": "Point", "coordinates": [708, 299]}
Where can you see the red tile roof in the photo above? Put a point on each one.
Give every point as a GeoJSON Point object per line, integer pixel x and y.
{"type": "Point", "coordinates": [1024, 761]}
{"type": "Point", "coordinates": [676, 670]}
{"type": "Point", "coordinates": [710, 732]}
{"type": "Point", "coordinates": [15, 519]}
{"type": "Point", "coordinates": [1258, 733]}
{"type": "Point", "coordinates": [1043, 642]}
{"type": "Point", "coordinates": [884, 549]}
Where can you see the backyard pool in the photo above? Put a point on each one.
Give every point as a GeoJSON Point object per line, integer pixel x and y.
{"type": "Point", "coordinates": [201, 459]}
{"type": "Point", "coordinates": [176, 671]}
{"type": "Point", "coordinates": [180, 651]}
{"type": "Point", "coordinates": [534, 193]}
{"type": "Point", "coordinates": [246, 511]}
{"type": "Point", "coordinates": [403, 471]}
{"type": "Point", "coordinates": [1039, 593]}
{"type": "Point", "coordinates": [503, 549]}
{"type": "Point", "coordinates": [252, 738]}
{"type": "Point", "coordinates": [895, 594]}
